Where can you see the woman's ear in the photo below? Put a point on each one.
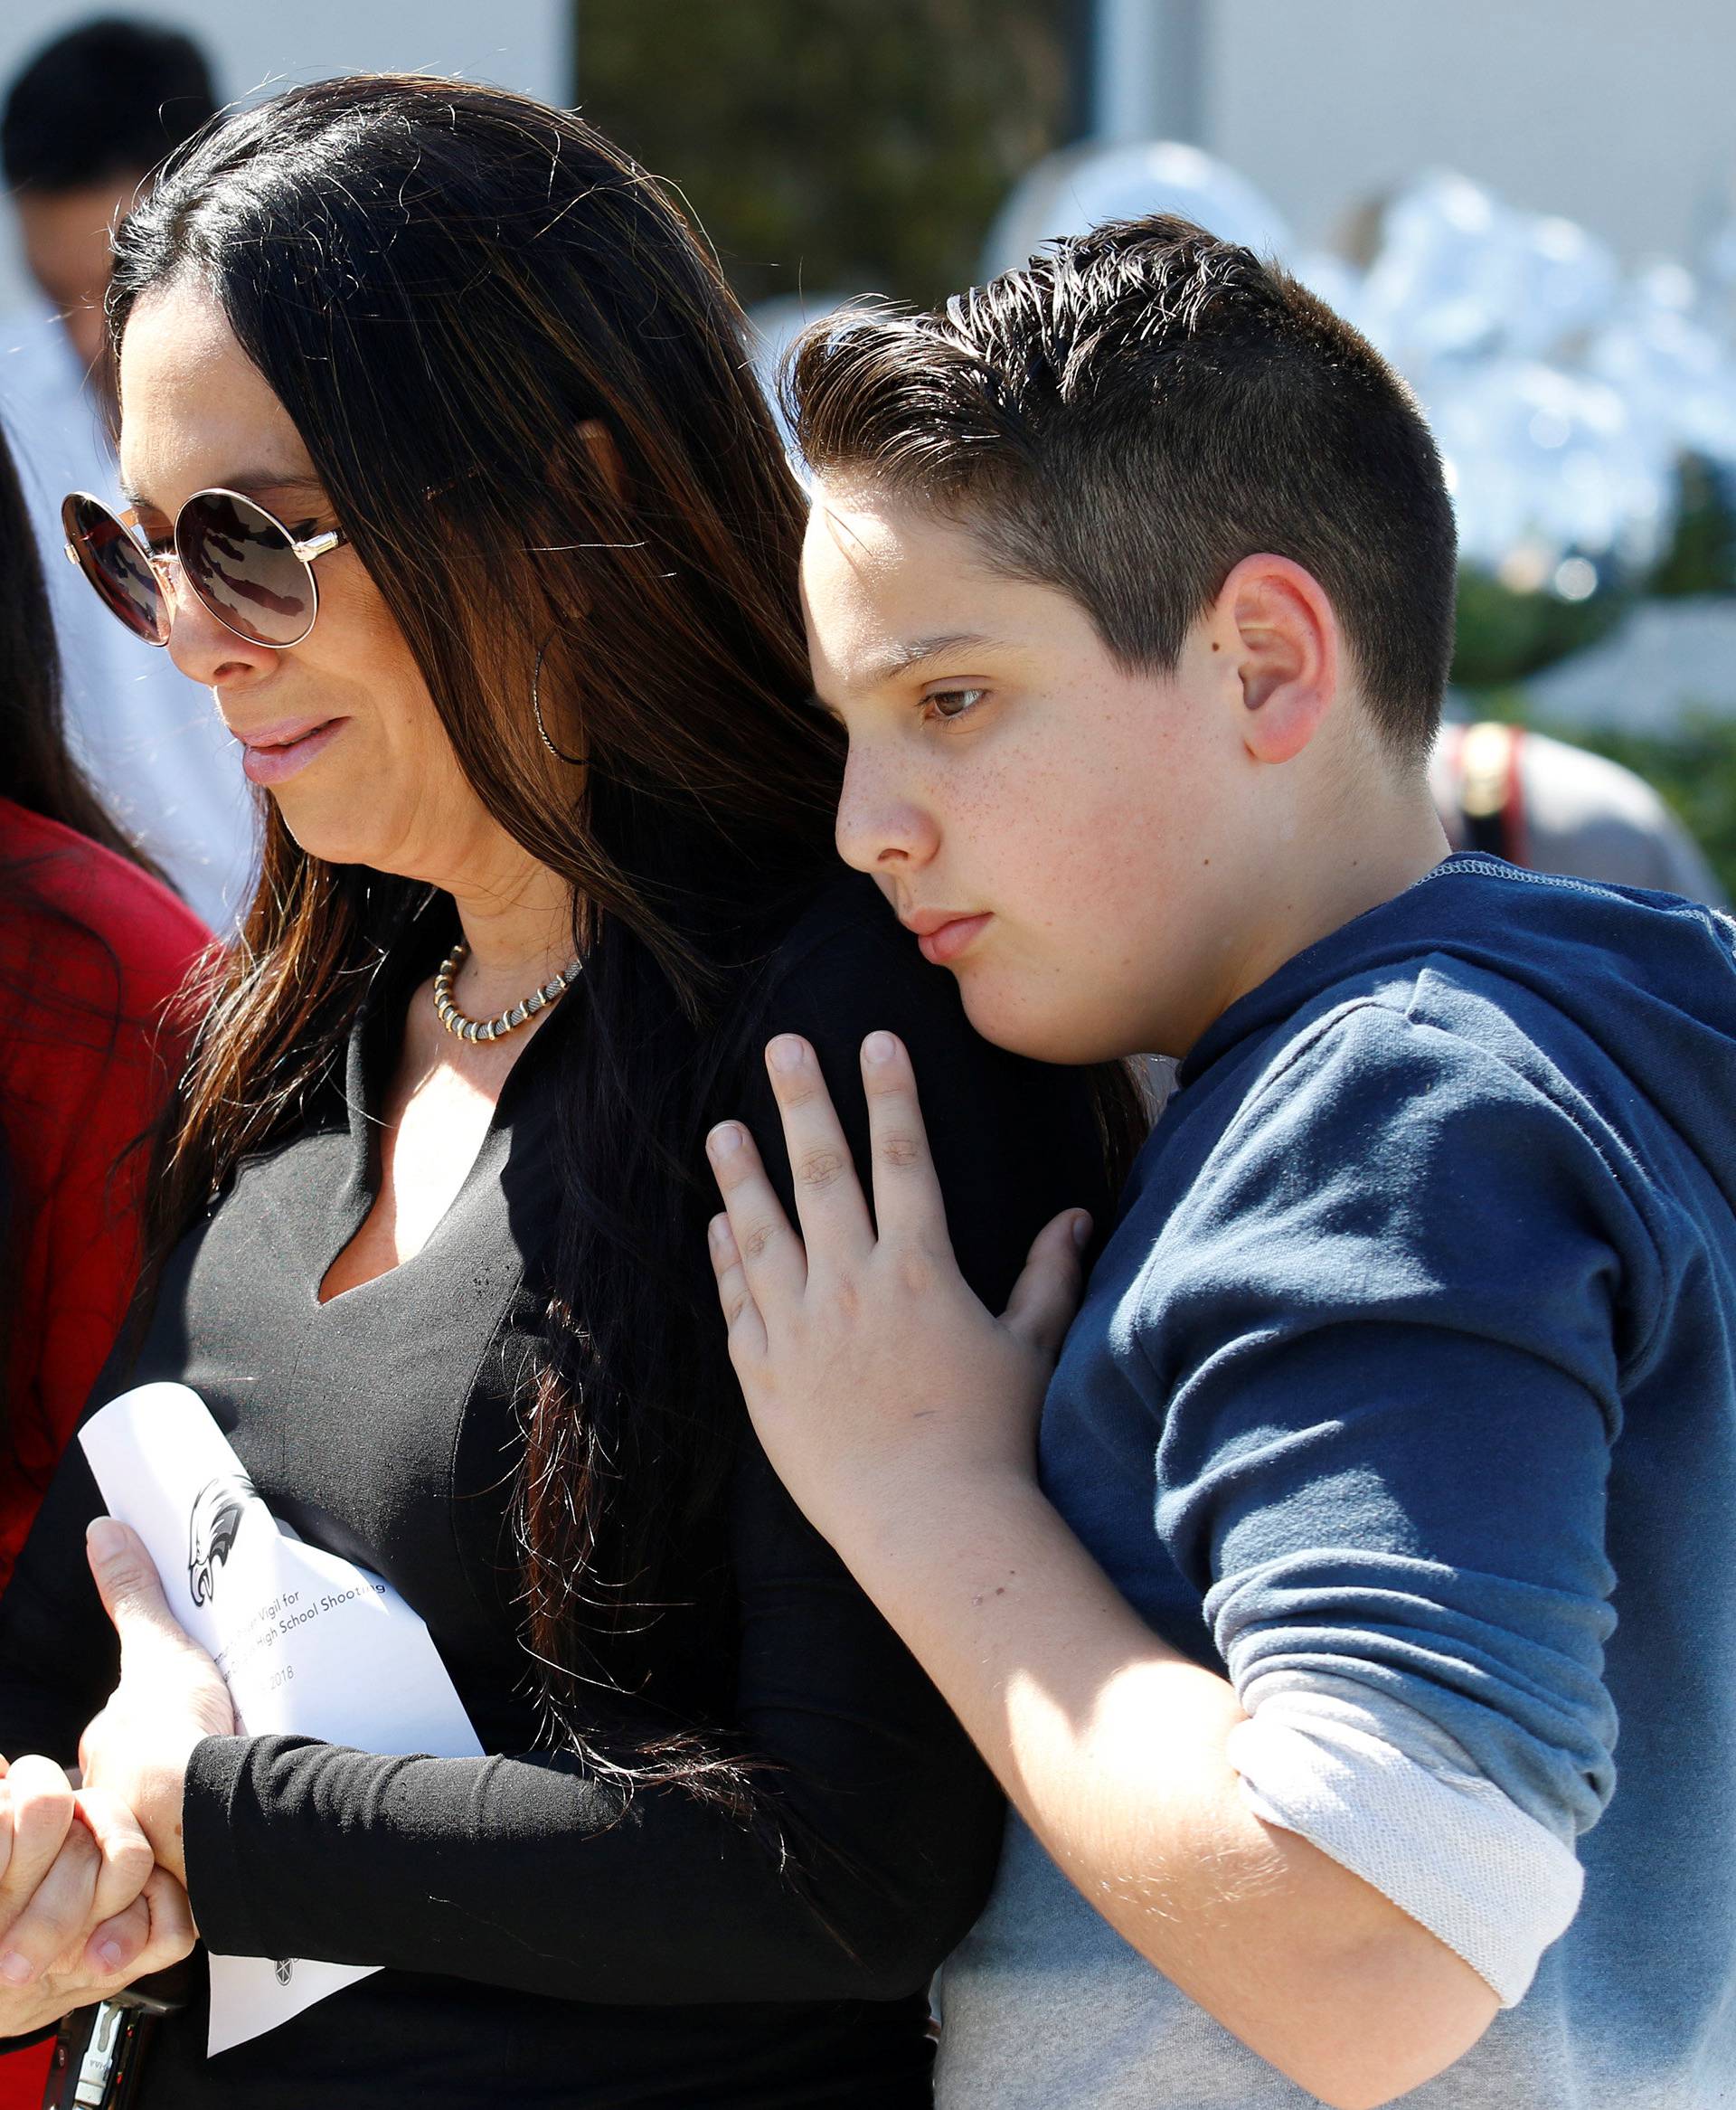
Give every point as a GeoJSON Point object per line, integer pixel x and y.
{"type": "Point", "coordinates": [604, 456]}
{"type": "Point", "coordinates": [1283, 632]}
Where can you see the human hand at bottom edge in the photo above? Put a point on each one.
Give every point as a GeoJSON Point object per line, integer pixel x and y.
{"type": "Point", "coordinates": [84, 1910]}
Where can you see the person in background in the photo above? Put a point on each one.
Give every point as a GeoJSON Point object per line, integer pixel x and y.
{"type": "Point", "coordinates": [92, 948]}
{"type": "Point", "coordinates": [82, 126]}
{"type": "Point", "coordinates": [1556, 808]}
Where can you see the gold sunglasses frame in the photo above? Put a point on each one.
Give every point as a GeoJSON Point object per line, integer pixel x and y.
{"type": "Point", "coordinates": [313, 547]}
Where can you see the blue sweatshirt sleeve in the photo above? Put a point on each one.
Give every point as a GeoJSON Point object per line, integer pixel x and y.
{"type": "Point", "coordinates": [1386, 1323]}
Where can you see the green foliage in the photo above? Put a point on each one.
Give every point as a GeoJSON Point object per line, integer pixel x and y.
{"type": "Point", "coordinates": [1503, 636]}
{"type": "Point", "coordinates": [1701, 557]}
{"type": "Point", "coordinates": [829, 145]}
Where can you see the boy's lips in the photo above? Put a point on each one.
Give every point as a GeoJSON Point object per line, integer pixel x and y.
{"type": "Point", "coordinates": [942, 934]}
{"type": "Point", "coordinates": [273, 754]}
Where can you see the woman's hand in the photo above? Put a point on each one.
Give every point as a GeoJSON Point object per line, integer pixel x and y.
{"type": "Point", "coordinates": [83, 1908]}
{"type": "Point", "coordinates": [866, 1359]}
{"type": "Point", "coordinates": [170, 1696]}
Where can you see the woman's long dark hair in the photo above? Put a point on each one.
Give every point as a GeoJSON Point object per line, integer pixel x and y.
{"type": "Point", "coordinates": [442, 283]}
{"type": "Point", "coordinates": [36, 766]}
{"type": "Point", "coordinates": [37, 771]}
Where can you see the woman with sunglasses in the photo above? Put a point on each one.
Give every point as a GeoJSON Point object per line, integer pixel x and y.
{"type": "Point", "coordinates": [446, 472]}
{"type": "Point", "coordinates": [92, 950]}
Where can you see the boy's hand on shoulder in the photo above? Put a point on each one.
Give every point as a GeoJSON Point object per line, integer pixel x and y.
{"type": "Point", "coordinates": [877, 1380]}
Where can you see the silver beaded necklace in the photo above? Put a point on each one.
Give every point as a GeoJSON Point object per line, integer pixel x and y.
{"type": "Point", "coordinates": [505, 1022]}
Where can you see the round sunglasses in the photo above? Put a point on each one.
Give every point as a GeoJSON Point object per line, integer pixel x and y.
{"type": "Point", "coordinates": [243, 562]}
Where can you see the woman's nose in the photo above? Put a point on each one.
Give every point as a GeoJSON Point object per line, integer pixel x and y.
{"type": "Point", "coordinates": [205, 651]}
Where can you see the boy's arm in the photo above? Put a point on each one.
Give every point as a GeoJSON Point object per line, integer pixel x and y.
{"type": "Point", "coordinates": [1112, 1746]}
{"type": "Point", "coordinates": [1115, 1748]}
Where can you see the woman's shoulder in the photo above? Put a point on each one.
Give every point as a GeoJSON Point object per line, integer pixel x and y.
{"type": "Point", "coordinates": [843, 908]}
{"type": "Point", "coordinates": [848, 968]}
{"type": "Point", "coordinates": [1013, 1140]}
{"type": "Point", "coordinates": [98, 918]}
{"type": "Point", "coordinates": [846, 954]}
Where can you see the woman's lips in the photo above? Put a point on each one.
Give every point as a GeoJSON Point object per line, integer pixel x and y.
{"type": "Point", "coordinates": [943, 944]}
{"type": "Point", "coordinates": [278, 762]}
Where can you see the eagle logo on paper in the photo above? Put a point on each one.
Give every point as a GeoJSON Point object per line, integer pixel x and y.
{"type": "Point", "coordinates": [217, 1511]}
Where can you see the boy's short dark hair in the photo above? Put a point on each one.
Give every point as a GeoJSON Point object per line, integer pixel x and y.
{"type": "Point", "coordinates": [1134, 413]}
{"type": "Point", "coordinates": [109, 99]}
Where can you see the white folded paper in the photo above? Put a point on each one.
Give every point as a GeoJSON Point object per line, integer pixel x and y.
{"type": "Point", "coordinates": [308, 1643]}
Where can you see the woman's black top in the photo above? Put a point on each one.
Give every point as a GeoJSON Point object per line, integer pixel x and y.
{"type": "Point", "coordinates": [546, 1940]}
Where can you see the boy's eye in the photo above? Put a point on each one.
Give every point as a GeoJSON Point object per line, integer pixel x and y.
{"type": "Point", "coordinates": [949, 703]}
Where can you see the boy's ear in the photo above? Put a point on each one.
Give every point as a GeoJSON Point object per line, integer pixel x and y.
{"type": "Point", "coordinates": [1275, 621]}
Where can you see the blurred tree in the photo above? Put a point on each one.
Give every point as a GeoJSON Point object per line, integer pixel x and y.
{"type": "Point", "coordinates": [1503, 635]}
{"type": "Point", "coordinates": [1701, 557]}
{"type": "Point", "coordinates": [829, 145]}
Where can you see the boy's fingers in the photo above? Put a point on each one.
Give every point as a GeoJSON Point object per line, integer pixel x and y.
{"type": "Point", "coordinates": [57, 1912]}
{"type": "Point", "coordinates": [39, 1805]}
{"type": "Point", "coordinates": [115, 1946]}
{"type": "Point", "coordinates": [726, 1263]}
{"type": "Point", "coordinates": [740, 1313]}
{"type": "Point", "coordinates": [907, 1194]}
{"type": "Point", "coordinates": [772, 1258]}
{"type": "Point", "coordinates": [173, 1933]}
{"type": "Point", "coordinates": [828, 1196]}
{"type": "Point", "coordinates": [1046, 1294]}
{"type": "Point", "coordinates": [126, 1856]}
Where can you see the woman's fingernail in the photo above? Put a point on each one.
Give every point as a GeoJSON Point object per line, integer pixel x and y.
{"type": "Point", "coordinates": [17, 1970]}
{"type": "Point", "coordinates": [725, 1142]}
{"type": "Point", "coordinates": [785, 1053]}
{"type": "Point", "coordinates": [879, 1047]}
{"type": "Point", "coordinates": [109, 1954]}
{"type": "Point", "coordinates": [1081, 1232]}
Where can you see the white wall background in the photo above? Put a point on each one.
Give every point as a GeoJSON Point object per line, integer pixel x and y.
{"type": "Point", "coordinates": [256, 48]}
{"type": "Point", "coordinates": [1619, 113]}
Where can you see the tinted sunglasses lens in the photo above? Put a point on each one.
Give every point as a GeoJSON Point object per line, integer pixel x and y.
{"type": "Point", "coordinates": [244, 568]}
{"type": "Point", "coordinates": [115, 566]}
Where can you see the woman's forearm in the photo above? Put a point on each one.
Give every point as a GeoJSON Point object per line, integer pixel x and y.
{"type": "Point", "coordinates": [530, 1873]}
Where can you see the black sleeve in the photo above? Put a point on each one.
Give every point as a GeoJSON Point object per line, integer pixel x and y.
{"type": "Point", "coordinates": [880, 1826]}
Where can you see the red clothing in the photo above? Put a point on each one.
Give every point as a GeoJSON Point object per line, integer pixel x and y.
{"type": "Point", "coordinates": [88, 957]}
{"type": "Point", "coordinates": [23, 2075]}
{"type": "Point", "coordinates": [90, 951]}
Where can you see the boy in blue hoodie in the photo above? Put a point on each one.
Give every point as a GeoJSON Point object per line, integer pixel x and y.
{"type": "Point", "coordinates": [1291, 1630]}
